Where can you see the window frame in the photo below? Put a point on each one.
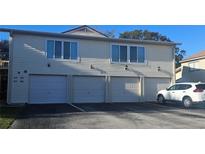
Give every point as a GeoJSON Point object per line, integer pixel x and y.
{"type": "Point", "coordinates": [77, 57]}
{"type": "Point", "coordinates": [138, 54]}
{"type": "Point", "coordinates": [46, 49]}
{"type": "Point", "coordinates": [62, 50]}
{"type": "Point", "coordinates": [128, 54]}
{"type": "Point", "coordinates": [55, 49]}
{"type": "Point", "coordinates": [111, 59]}
{"type": "Point", "coordinates": [69, 49]}
{"type": "Point", "coordinates": [119, 53]}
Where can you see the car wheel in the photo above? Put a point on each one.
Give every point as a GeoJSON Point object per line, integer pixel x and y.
{"type": "Point", "coordinates": [187, 102]}
{"type": "Point", "coordinates": [161, 99]}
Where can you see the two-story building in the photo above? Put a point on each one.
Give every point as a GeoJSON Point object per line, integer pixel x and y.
{"type": "Point", "coordinates": [83, 65]}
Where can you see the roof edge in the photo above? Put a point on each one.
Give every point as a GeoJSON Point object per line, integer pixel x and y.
{"type": "Point", "coordinates": [192, 59]}
{"type": "Point", "coordinates": [51, 34]}
{"type": "Point", "coordinates": [85, 26]}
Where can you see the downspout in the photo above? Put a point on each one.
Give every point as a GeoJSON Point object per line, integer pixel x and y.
{"type": "Point", "coordinates": [142, 84]}
{"type": "Point", "coordinates": [174, 66]}
{"type": "Point", "coordinates": [10, 68]}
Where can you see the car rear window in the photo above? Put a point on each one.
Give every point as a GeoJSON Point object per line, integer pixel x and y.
{"type": "Point", "coordinates": [200, 86]}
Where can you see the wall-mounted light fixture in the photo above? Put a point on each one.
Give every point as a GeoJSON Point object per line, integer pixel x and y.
{"type": "Point", "coordinates": [126, 67]}
{"type": "Point", "coordinates": [49, 65]}
{"type": "Point", "coordinates": [92, 67]}
{"type": "Point", "coordinates": [158, 68]}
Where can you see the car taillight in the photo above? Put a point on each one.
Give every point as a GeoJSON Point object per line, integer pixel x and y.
{"type": "Point", "coordinates": [198, 90]}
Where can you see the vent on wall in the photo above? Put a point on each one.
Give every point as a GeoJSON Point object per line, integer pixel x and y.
{"type": "Point", "coordinates": [85, 30]}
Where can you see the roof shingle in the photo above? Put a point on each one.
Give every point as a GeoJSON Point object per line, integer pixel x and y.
{"type": "Point", "coordinates": [194, 56]}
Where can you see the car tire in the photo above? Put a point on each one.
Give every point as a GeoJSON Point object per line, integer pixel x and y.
{"type": "Point", "coordinates": [187, 102]}
{"type": "Point", "coordinates": [160, 99]}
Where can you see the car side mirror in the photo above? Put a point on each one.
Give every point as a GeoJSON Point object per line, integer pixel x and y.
{"type": "Point", "coordinates": [167, 89]}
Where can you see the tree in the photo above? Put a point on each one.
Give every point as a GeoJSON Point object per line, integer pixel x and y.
{"type": "Point", "coordinates": [154, 36]}
{"type": "Point", "coordinates": [147, 35]}
{"type": "Point", "coordinates": [110, 34]}
{"type": "Point", "coordinates": [136, 34]}
{"type": "Point", "coordinates": [179, 55]}
{"type": "Point", "coordinates": [144, 35]}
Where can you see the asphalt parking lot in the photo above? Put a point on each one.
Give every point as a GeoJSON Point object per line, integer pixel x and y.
{"type": "Point", "coordinates": [111, 116]}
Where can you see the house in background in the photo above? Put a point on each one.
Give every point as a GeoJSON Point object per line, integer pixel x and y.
{"type": "Point", "coordinates": [192, 69]}
{"type": "Point", "coordinates": [85, 66]}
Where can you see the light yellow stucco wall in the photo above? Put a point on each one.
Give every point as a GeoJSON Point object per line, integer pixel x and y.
{"type": "Point", "coordinates": [29, 55]}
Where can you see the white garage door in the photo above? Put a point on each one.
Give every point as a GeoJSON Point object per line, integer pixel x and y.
{"type": "Point", "coordinates": [89, 89]}
{"type": "Point", "coordinates": [153, 85]}
{"type": "Point", "coordinates": [125, 89]}
{"type": "Point", "coordinates": [47, 89]}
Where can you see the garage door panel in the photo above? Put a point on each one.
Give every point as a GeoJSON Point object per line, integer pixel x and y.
{"type": "Point", "coordinates": [125, 89]}
{"type": "Point", "coordinates": [153, 85]}
{"type": "Point", "coordinates": [47, 89]}
{"type": "Point", "coordinates": [89, 89]}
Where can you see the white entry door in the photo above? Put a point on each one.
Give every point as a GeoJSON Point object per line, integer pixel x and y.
{"type": "Point", "coordinates": [125, 89]}
{"type": "Point", "coordinates": [89, 89]}
{"type": "Point", "coordinates": [45, 89]}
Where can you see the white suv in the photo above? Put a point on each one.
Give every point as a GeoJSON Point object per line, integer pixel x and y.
{"type": "Point", "coordinates": [187, 93]}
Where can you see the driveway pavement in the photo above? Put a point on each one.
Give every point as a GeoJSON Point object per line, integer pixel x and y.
{"type": "Point", "coordinates": [139, 115]}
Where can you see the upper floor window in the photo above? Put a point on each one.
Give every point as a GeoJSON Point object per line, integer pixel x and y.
{"type": "Point", "coordinates": [73, 52]}
{"type": "Point", "coordinates": [141, 54]}
{"type": "Point", "coordinates": [133, 54]}
{"type": "Point", "coordinates": [50, 49]}
{"type": "Point", "coordinates": [58, 49]}
{"type": "Point", "coordinates": [120, 54]}
{"type": "Point", "coordinates": [62, 50]}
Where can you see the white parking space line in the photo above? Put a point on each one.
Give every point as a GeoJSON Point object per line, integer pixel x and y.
{"type": "Point", "coordinates": [82, 110]}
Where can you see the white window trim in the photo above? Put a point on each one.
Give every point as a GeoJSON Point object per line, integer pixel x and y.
{"type": "Point", "coordinates": [47, 48]}
{"type": "Point", "coordinates": [62, 47]}
{"type": "Point", "coordinates": [55, 49]}
{"type": "Point", "coordinates": [128, 54]}
{"type": "Point", "coordinates": [145, 59]}
{"type": "Point", "coordinates": [119, 54]}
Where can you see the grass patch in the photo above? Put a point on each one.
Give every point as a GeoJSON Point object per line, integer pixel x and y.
{"type": "Point", "coordinates": [8, 115]}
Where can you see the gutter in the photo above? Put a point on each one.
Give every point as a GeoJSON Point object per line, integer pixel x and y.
{"type": "Point", "coordinates": [192, 59]}
{"type": "Point", "coordinates": [61, 35]}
